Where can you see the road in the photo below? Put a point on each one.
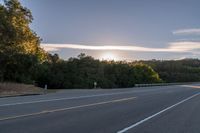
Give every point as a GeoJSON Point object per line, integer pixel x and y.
{"type": "Point", "coordinates": [159, 109]}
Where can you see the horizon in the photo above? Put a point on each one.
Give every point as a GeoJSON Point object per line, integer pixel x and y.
{"type": "Point", "coordinates": [118, 30]}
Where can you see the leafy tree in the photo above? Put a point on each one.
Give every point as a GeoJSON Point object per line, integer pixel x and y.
{"type": "Point", "coordinates": [145, 74]}
{"type": "Point", "coordinates": [19, 45]}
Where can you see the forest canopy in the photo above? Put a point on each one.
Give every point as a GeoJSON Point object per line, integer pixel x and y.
{"type": "Point", "coordinates": [83, 71]}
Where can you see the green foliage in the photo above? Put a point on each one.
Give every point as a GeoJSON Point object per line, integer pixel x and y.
{"type": "Point", "coordinates": [17, 68]}
{"type": "Point", "coordinates": [145, 74]}
{"type": "Point", "coordinates": [19, 45]}
{"type": "Point", "coordinates": [83, 71]}
{"type": "Point", "coordinates": [187, 70]}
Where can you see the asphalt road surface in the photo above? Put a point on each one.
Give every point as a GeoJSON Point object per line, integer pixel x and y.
{"type": "Point", "coordinates": [161, 109]}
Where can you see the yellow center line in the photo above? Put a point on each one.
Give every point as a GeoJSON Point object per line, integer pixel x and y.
{"type": "Point", "coordinates": [68, 108]}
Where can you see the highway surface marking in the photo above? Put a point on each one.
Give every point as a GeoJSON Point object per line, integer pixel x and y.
{"type": "Point", "coordinates": [80, 97]}
{"type": "Point", "coordinates": [65, 98]}
{"type": "Point", "coordinates": [156, 114]}
{"type": "Point", "coordinates": [68, 108]}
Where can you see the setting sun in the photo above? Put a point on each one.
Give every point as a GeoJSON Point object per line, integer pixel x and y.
{"type": "Point", "coordinates": [109, 56]}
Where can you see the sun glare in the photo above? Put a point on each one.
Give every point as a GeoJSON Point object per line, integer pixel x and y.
{"type": "Point", "coordinates": [109, 56]}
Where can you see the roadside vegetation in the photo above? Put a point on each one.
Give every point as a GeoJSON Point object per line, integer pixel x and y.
{"type": "Point", "coordinates": [22, 60]}
{"type": "Point", "coordinates": [185, 70]}
{"type": "Point", "coordinates": [83, 71]}
{"type": "Point", "coordinates": [13, 89]}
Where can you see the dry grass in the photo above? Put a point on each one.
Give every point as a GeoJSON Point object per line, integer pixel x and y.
{"type": "Point", "coordinates": [13, 89]}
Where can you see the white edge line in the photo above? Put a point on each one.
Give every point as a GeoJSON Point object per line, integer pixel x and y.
{"type": "Point", "coordinates": [154, 115]}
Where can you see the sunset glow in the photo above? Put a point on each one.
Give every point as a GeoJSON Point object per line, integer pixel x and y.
{"type": "Point", "coordinates": [109, 56]}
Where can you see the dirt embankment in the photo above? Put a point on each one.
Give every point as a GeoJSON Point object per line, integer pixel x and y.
{"type": "Point", "coordinates": [15, 89]}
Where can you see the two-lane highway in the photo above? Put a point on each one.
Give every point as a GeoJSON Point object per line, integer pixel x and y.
{"type": "Point", "coordinates": [160, 109]}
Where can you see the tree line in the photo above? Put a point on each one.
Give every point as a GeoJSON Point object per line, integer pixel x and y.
{"type": "Point", "coordinates": [83, 71]}
{"type": "Point", "coordinates": [22, 60]}
{"type": "Point", "coordinates": [185, 70]}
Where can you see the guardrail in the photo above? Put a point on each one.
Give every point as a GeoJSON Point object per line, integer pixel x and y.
{"type": "Point", "coordinates": [164, 84]}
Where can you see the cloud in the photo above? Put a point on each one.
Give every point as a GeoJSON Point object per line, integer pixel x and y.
{"type": "Point", "coordinates": [95, 47]}
{"type": "Point", "coordinates": [194, 31]}
{"type": "Point", "coordinates": [50, 49]}
{"type": "Point", "coordinates": [177, 47]}
{"type": "Point", "coordinates": [184, 46]}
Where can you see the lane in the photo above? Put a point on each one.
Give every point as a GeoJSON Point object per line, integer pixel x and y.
{"type": "Point", "coordinates": [156, 114]}
{"type": "Point", "coordinates": [65, 109]}
{"type": "Point", "coordinates": [66, 102]}
{"type": "Point", "coordinates": [109, 118]}
{"type": "Point", "coordinates": [185, 118]}
{"type": "Point", "coordinates": [77, 94]}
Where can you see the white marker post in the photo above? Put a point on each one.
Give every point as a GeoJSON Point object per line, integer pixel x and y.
{"type": "Point", "coordinates": [45, 88]}
{"type": "Point", "coordinates": [95, 85]}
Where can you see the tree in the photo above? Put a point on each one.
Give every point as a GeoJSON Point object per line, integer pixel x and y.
{"type": "Point", "coordinates": [17, 40]}
{"type": "Point", "coordinates": [145, 74]}
{"type": "Point", "coordinates": [186, 70]}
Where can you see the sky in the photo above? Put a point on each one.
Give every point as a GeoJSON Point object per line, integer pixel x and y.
{"type": "Point", "coordinates": [118, 29]}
